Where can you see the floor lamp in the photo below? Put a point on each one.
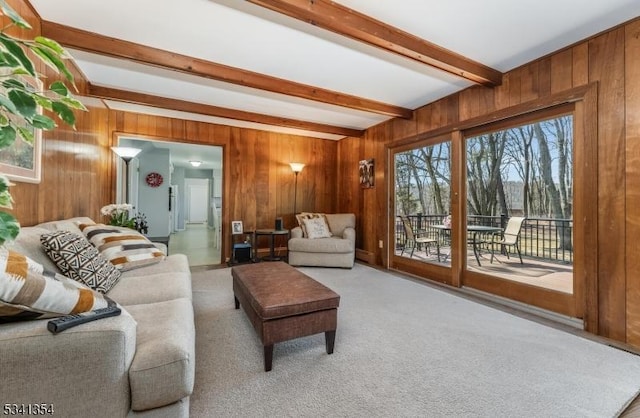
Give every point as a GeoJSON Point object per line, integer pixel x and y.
{"type": "Point", "coordinates": [127, 154]}
{"type": "Point", "coordinates": [297, 168]}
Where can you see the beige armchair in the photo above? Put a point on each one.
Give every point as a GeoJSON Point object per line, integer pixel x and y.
{"type": "Point", "coordinates": [339, 250]}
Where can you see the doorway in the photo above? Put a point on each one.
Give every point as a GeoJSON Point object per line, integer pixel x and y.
{"type": "Point", "coordinates": [197, 200]}
{"type": "Point", "coordinates": [182, 207]}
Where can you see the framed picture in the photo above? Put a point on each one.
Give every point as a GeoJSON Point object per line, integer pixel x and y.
{"type": "Point", "coordinates": [236, 227]}
{"type": "Point", "coordinates": [367, 173]}
{"type": "Point", "coordinates": [22, 161]}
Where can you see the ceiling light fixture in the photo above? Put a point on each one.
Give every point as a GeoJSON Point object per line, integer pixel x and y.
{"type": "Point", "coordinates": [195, 163]}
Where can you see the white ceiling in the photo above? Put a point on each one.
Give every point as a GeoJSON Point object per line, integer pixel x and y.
{"type": "Point", "coordinates": [501, 34]}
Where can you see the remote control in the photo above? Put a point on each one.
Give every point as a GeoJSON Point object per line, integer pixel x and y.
{"type": "Point", "coordinates": [60, 324]}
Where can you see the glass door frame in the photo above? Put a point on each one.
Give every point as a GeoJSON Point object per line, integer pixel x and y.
{"type": "Point", "coordinates": [583, 303]}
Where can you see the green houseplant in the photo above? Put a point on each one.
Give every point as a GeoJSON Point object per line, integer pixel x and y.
{"type": "Point", "coordinates": [20, 103]}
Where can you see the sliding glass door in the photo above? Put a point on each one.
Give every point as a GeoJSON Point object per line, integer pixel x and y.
{"type": "Point", "coordinates": [520, 202]}
{"type": "Point", "coordinates": [491, 208]}
{"type": "Point", "coordinates": [422, 218]}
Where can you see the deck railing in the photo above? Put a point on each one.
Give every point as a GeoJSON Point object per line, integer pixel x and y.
{"type": "Point", "coordinates": [549, 239]}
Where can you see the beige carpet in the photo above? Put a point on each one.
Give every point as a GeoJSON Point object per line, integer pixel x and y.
{"type": "Point", "coordinates": [402, 349]}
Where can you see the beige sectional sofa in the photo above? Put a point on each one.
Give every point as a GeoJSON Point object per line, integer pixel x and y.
{"type": "Point", "coordinates": [338, 250]}
{"type": "Point", "coordinates": [141, 362]}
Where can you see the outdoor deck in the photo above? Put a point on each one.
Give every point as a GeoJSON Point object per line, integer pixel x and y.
{"type": "Point", "coordinates": [536, 272]}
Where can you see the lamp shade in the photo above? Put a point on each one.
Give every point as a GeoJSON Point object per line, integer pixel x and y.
{"type": "Point", "coordinates": [296, 167]}
{"type": "Point", "coordinates": [126, 153]}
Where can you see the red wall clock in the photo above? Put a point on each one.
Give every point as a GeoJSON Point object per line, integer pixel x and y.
{"type": "Point", "coordinates": [154, 179]}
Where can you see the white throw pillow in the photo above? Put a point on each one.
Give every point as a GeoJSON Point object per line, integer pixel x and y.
{"type": "Point", "coordinates": [317, 228]}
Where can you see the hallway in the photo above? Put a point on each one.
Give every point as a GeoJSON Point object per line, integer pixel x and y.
{"type": "Point", "coordinates": [198, 243]}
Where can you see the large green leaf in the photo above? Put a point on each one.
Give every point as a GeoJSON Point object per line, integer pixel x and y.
{"type": "Point", "coordinates": [8, 60]}
{"type": "Point", "coordinates": [51, 44]}
{"type": "Point", "coordinates": [8, 104]}
{"type": "Point", "coordinates": [43, 122]}
{"type": "Point", "coordinates": [59, 88]}
{"type": "Point", "coordinates": [65, 113]}
{"type": "Point", "coordinates": [7, 136]}
{"type": "Point", "coordinates": [53, 61]}
{"type": "Point", "coordinates": [9, 227]}
{"type": "Point", "coordinates": [73, 103]}
{"type": "Point", "coordinates": [16, 50]}
{"type": "Point", "coordinates": [26, 134]}
{"type": "Point", "coordinates": [15, 17]}
{"type": "Point", "coordinates": [24, 102]}
{"type": "Point", "coordinates": [13, 83]}
{"type": "Point", "coordinates": [43, 101]}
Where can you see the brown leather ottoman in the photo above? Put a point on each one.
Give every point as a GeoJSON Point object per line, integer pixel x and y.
{"type": "Point", "coordinates": [283, 303]}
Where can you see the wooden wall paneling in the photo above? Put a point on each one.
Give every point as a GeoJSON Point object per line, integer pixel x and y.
{"type": "Point", "coordinates": [381, 189]}
{"type": "Point", "coordinates": [529, 82]}
{"type": "Point", "coordinates": [423, 120]}
{"type": "Point", "coordinates": [585, 210]}
{"type": "Point", "coordinates": [501, 93]}
{"type": "Point", "coordinates": [515, 85]}
{"type": "Point", "coordinates": [469, 103]}
{"type": "Point", "coordinates": [580, 65]}
{"type": "Point", "coordinates": [368, 196]}
{"type": "Point", "coordinates": [606, 65]}
{"type": "Point", "coordinates": [265, 187]}
{"type": "Point", "coordinates": [632, 176]}
{"type": "Point", "coordinates": [544, 77]}
{"type": "Point", "coordinates": [562, 70]}
{"type": "Point", "coordinates": [458, 207]}
{"type": "Point", "coordinates": [404, 127]}
{"type": "Point", "coordinates": [308, 177]}
{"type": "Point", "coordinates": [348, 186]}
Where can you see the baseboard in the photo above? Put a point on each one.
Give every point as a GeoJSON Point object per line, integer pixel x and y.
{"type": "Point", "coordinates": [366, 256]}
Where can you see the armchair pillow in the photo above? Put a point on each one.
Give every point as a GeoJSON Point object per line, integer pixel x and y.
{"type": "Point", "coordinates": [317, 228]}
{"type": "Point", "coordinates": [309, 215]}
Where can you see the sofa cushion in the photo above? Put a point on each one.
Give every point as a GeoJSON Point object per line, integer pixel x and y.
{"type": "Point", "coordinates": [28, 292]}
{"type": "Point", "coordinates": [28, 242]}
{"type": "Point", "coordinates": [317, 228]}
{"type": "Point", "coordinates": [174, 263]}
{"type": "Point", "coordinates": [123, 247]}
{"type": "Point", "coordinates": [163, 367]}
{"type": "Point", "coordinates": [70, 224]}
{"type": "Point", "coordinates": [152, 288]}
{"type": "Point", "coordinates": [79, 260]}
{"type": "Point", "coordinates": [321, 245]}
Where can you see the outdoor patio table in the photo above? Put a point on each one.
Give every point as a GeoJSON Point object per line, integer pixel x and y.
{"type": "Point", "coordinates": [477, 231]}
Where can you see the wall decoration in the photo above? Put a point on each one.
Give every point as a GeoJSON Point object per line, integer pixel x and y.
{"type": "Point", "coordinates": [236, 227]}
{"type": "Point", "coordinates": [367, 173]}
{"type": "Point", "coordinates": [22, 160]}
{"type": "Point", "coordinates": [154, 179]}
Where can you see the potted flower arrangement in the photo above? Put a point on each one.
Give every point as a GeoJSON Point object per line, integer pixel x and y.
{"type": "Point", "coordinates": [119, 215]}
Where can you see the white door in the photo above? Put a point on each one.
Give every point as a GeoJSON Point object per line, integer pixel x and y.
{"type": "Point", "coordinates": [198, 197]}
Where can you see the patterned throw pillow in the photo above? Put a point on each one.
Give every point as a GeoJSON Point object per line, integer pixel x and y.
{"type": "Point", "coordinates": [27, 291]}
{"type": "Point", "coordinates": [317, 228]}
{"type": "Point", "coordinates": [123, 247]}
{"type": "Point", "coordinates": [79, 260]}
{"type": "Point", "coordinates": [308, 215]}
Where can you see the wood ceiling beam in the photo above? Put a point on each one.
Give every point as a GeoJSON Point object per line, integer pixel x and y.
{"type": "Point", "coordinates": [350, 23]}
{"type": "Point", "coordinates": [209, 110]}
{"type": "Point", "coordinates": [104, 45]}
